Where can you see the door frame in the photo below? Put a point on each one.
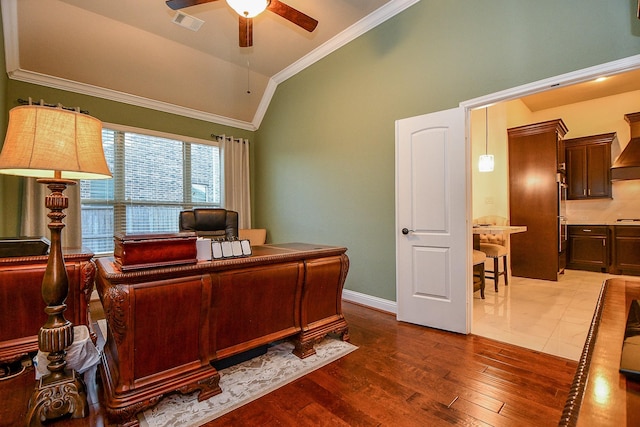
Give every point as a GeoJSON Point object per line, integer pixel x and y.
{"type": "Point", "coordinates": [579, 76]}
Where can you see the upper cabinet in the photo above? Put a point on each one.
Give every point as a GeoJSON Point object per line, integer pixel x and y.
{"type": "Point", "coordinates": [589, 166]}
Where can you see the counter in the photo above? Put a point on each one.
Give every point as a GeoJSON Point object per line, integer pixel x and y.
{"type": "Point", "coordinates": [603, 223]}
{"type": "Point", "coordinates": [612, 247]}
{"type": "Point", "coordinates": [498, 229]}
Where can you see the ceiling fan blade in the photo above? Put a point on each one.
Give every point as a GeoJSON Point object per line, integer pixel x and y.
{"type": "Point", "coordinates": [179, 4]}
{"type": "Point", "coordinates": [245, 27]}
{"type": "Point", "coordinates": [293, 15]}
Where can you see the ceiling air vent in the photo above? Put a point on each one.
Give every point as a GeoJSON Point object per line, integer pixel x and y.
{"type": "Point", "coordinates": [188, 21]}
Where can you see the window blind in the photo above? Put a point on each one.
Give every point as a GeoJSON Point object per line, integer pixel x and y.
{"type": "Point", "coordinates": [154, 178]}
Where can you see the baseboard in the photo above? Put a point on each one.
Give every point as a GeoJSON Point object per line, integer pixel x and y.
{"type": "Point", "coordinates": [370, 301]}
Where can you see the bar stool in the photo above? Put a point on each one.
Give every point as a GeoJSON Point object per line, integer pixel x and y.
{"type": "Point", "coordinates": [479, 258]}
{"type": "Point", "coordinates": [495, 251]}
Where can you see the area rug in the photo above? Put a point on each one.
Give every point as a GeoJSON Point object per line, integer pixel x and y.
{"type": "Point", "coordinates": [244, 383]}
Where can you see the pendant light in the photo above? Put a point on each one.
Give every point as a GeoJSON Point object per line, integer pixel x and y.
{"type": "Point", "coordinates": [485, 164]}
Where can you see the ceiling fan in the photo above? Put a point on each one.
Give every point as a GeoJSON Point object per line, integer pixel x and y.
{"type": "Point", "coordinates": [247, 9]}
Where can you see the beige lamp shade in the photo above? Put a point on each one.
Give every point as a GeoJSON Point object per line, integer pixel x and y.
{"type": "Point", "coordinates": [41, 140]}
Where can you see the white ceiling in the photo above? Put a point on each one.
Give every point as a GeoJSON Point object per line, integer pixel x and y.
{"type": "Point", "coordinates": [132, 51]}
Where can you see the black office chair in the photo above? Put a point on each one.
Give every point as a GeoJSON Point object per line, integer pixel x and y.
{"type": "Point", "coordinates": [210, 222]}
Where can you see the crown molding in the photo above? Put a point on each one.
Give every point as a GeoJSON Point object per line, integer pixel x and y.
{"type": "Point", "coordinates": [367, 23]}
{"type": "Point", "coordinates": [10, 23]}
{"type": "Point", "coordinates": [127, 98]}
{"type": "Point", "coordinates": [269, 91]}
{"type": "Point", "coordinates": [555, 82]}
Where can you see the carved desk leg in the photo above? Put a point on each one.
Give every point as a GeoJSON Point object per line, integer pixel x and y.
{"type": "Point", "coordinates": [321, 312]}
{"type": "Point", "coordinates": [306, 340]}
{"type": "Point", "coordinates": [126, 415]}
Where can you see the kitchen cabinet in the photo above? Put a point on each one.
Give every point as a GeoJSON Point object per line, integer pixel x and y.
{"type": "Point", "coordinates": [588, 248]}
{"type": "Point", "coordinates": [626, 249]}
{"type": "Point", "coordinates": [589, 166]}
{"type": "Point", "coordinates": [534, 199]}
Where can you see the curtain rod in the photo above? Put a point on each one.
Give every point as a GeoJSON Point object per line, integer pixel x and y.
{"type": "Point", "coordinates": [213, 135]}
{"type": "Point", "coordinates": [42, 103]}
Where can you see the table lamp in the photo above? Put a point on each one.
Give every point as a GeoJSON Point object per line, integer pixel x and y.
{"type": "Point", "coordinates": [57, 145]}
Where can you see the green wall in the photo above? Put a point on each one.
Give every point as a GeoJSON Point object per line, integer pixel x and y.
{"type": "Point", "coordinates": [324, 161]}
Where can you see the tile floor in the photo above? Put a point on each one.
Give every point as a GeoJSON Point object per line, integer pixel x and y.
{"type": "Point", "coordinates": [551, 317]}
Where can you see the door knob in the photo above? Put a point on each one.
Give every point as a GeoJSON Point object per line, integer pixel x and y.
{"type": "Point", "coordinates": [406, 231]}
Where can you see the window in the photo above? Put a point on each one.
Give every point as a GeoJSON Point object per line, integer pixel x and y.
{"type": "Point", "coordinates": [154, 178]}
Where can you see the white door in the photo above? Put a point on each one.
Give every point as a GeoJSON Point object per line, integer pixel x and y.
{"type": "Point", "coordinates": [431, 229]}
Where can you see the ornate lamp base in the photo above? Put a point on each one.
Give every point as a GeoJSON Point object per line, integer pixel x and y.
{"type": "Point", "coordinates": [62, 392]}
{"type": "Point", "coordinates": [55, 397]}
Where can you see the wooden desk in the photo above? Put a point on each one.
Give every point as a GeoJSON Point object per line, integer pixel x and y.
{"type": "Point", "coordinates": [21, 304]}
{"type": "Point", "coordinates": [166, 324]}
{"type": "Point", "coordinates": [600, 395]}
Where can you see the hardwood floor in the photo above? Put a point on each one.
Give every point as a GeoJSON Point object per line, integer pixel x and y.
{"type": "Point", "coordinates": [401, 375]}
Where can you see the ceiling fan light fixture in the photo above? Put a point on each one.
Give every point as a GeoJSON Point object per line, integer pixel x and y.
{"type": "Point", "coordinates": [248, 8]}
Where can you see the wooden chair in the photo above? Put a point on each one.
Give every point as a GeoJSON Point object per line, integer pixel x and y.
{"type": "Point", "coordinates": [255, 236]}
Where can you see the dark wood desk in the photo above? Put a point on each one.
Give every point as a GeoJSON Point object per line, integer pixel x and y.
{"type": "Point", "coordinates": [21, 304]}
{"type": "Point", "coordinates": [600, 395]}
{"type": "Point", "coordinates": [167, 324]}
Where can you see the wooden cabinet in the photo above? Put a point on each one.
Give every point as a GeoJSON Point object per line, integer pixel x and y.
{"type": "Point", "coordinates": [626, 250]}
{"type": "Point", "coordinates": [21, 304]}
{"type": "Point", "coordinates": [534, 199]}
{"type": "Point", "coordinates": [588, 247]}
{"type": "Point", "coordinates": [589, 166]}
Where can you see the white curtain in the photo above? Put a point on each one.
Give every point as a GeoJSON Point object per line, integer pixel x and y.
{"type": "Point", "coordinates": [236, 178]}
{"type": "Point", "coordinates": [34, 214]}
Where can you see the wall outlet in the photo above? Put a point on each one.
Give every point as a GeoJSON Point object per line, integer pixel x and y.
{"type": "Point", "coordinates": [488, 200]}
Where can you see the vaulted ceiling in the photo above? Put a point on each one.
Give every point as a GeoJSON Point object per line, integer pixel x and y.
{"type": "Point", "coordinates": [132, 51]}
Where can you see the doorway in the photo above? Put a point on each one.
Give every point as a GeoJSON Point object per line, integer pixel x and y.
{"type": "Point", "coordinates": [546, 99]}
